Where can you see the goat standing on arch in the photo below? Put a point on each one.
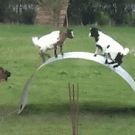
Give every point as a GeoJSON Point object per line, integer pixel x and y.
{"type": "Point", "coordinates": [52, 41]}
{"type": "Point", "coordinates": [108, 47]}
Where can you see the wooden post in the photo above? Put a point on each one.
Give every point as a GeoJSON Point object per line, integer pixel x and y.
{"type": "Point", "coordinates": [74, 107]}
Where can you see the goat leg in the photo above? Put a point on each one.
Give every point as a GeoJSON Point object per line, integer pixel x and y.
{"type": "Point", "coordinates": [42, 55]}
{"type": "Point", "coordinates": [61, 50]}
{"type": "Point", "coordinates": [99, 50]}
{"type": "Point", "coordinates": [55, 51]}
{"type": "Point", "coordinates": [115, 66]}
{"type": "Point", "coordinates": [119, 63]}
{"type": "Point", "coordinates": [106, 61]}
{"type": "Point", "coordinates": [118, 59]}
{"type": "Point", "coordinates": [111, 62]}
{"type": "Point", "coordinates": [95, 54]}
{"type": "Point", "coordinates": [48, 55]}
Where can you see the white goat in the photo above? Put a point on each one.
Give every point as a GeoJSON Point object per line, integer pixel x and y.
{"type": "Point", "coordinates": [46, 42]}
{"type": "Point", "coordinates": [52, 41]}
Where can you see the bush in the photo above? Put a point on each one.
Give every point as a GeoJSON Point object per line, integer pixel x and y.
{"type": "Point", "coordinates": [132, 23]}
{"type": "Point", "coordinates": [11, 16]}
{"type": "Point", "coordinates": [103, 19]}
{"type": "Point", "coordinates": [28, 16]}
{"type": "Point", "coordinates": [129, 20]}
{"type": "Point", "coordinates": [24, 17]}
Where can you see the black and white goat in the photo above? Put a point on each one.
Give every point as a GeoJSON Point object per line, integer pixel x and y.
{"type": "Point", "coordinates": [108, 47]}
{"type": "Point", "coordinates": [52, 41]}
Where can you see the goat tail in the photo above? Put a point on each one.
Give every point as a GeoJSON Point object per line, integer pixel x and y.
{"type": "Point", "coordinates": [35, 41]}
{"type": "Point", "coordinates": [126, 51]}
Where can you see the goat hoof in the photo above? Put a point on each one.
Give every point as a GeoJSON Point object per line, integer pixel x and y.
{"type": "Point", "coordinates": [115, 66]}
{"type": "Point", "coordinates": [56, 56]}
{"type": "Point", "coordinates": [106, 62]}
{"type": "Point", "coordinates": [95, 55]}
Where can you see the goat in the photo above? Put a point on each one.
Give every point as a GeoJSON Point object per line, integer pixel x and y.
{"type": "Point", "coordinates": [4, 74]}
{"type": "Point", "coordinates": [108, 47]}
{"type": "Point", "coordinates": [52, 41]}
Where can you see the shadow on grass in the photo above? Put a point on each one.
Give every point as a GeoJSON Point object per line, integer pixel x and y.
{"type": "Point", "coordinates": [107, 108]}
{"type": "Point", "coordinates": [97, 108]}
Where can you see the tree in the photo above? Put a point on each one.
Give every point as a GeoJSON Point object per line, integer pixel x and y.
{"type": "Point", "coordinates": [54, 8]}
{"type": "Point", "coordinates": [117, 9]}
{"type": "Point", "coordinates": [91, 11]}
{"type": "Point", "coordinates": [83, 12]}
{"type": "Point", "coordinates": [21, 11]}
{"type": "Point", "coordinates": [3, 6]}
{"type": "Point", "coordinates": [28, 11]}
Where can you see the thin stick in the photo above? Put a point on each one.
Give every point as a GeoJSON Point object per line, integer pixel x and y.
{"type": "Point", "coordinates": [73, 112]}
{"type": "Point", "coordinates": [74, 104]}
{"type": "Point", "coordinates": [69, 93]}
{"type": "Point", "coordinates": [77, 119]}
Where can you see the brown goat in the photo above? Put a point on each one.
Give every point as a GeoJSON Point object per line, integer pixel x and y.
{"type": "Point", "coordinates": [4, 74]}
{"type": "Point", "coordinates": [52, 41]}
{"type": "Point", "coordinates": [63, 36]}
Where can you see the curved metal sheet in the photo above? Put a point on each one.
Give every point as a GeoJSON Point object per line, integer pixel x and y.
{"type": "Point", "coordinates": [25, 95]}
{"type": "Point", "coordinates": [99, 59]}
{"type": "Point", "coordinates": [76, 55]}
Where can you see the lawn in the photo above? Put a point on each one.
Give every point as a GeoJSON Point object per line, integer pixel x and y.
{"type": "Point", "coordinates": [106, 101]}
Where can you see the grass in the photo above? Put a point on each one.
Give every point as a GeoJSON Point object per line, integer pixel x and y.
{"type": "Point", "coordinates": [107, 103]}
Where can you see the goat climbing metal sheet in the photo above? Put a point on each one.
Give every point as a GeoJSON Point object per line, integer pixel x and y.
{"type": "Point", "coordinates": [99, 59]}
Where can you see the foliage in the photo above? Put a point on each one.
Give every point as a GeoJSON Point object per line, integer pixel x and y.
{"type": "Point", "coordinates": [28, 16]}
{"type": "Point", "coordinates": [3, 6]}
{"type": "Point", "coordinates": [103, 19]}
{"type": "Point", "coordinates": [117, 9]}
{"type": "Point", "coordinates": [19, 11]}
{"type": "Point", "coordinates": [90, 10]}
{"type": "Point", "coordinates": [79, 11]}
{"type": "Point", "coordinates": [132, 21]}
{"type": "Point", "coordinates": [83, 12]}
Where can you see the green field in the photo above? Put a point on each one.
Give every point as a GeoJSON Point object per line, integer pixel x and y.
{"type": "Point", "coordinates": [106, 101]}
